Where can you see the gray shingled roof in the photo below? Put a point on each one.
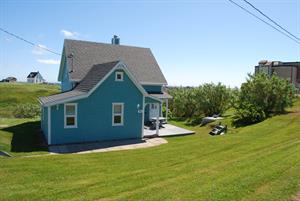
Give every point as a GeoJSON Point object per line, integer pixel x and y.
{"type": "Point", "coordinates": [32, 74]}
{"type": "Point", "coordinates": [94, 76]}
{"type": "Point", "coordinates": [140, 61]}
{"type": "Point", "coordinates": [61, 96]}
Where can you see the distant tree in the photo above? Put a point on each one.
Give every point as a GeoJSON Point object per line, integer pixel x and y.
{"type": "Point", "coordinates": [183, 102]}
{"type": "Point", "coordinates": [212, 99]}
{"type": "Point", "coordinates": [207, 99]}
{"type": "Point", "coordinates": [261, 96]}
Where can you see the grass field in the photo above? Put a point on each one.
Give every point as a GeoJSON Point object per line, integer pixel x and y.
{"type": "Point", "coordinates": [13, 94]}
{"type": "Point", "coordinates": [258, 162]}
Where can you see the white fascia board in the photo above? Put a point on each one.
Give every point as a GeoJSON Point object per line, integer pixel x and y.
{"type": "Point", "coordinates": [153, 83]}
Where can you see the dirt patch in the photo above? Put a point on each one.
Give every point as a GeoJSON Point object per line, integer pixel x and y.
{"type": "Point", "coordinates": [296, 197]}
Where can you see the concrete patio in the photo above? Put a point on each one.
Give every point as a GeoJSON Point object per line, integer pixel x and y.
{"type": "Point", "coordinates": [167, 131]}
{"type": "Point", "coordinates": [106, 146]}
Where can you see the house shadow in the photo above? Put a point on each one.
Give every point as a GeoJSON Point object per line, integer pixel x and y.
{"type": "Point", "coordinates": [27, 137]}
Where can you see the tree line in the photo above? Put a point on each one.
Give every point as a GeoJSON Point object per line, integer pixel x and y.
{"type": "Point", "coordinates": [260, 97]}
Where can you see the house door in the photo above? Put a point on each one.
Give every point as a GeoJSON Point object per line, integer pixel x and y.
{"type": "Point", "coordinates": [153, 110]}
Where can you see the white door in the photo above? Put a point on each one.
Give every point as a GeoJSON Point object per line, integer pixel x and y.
{"type": "Point", "coordinates": [153, 110]}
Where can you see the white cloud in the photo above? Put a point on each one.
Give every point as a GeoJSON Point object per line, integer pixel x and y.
{"type": "Point", "coordinates": [69, 34]}
{"type": "Point", "coordinates": [39, 49]}
{"type": "Point", "coordinates": [48, 61]}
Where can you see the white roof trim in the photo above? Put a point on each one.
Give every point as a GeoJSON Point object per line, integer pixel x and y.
{"type": "Point", "coordinates": [153, 83]}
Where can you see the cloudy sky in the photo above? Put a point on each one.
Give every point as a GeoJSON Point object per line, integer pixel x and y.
{"type": "Point", "coordinates": [193, 41]}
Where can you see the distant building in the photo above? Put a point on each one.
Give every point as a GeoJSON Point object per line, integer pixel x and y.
{"type": "Point", "coordinates": [9, 79]}
{"type": "Point", "coordinates": [35, 77]}
{"type": "Point", "coordinates": [286, 70]}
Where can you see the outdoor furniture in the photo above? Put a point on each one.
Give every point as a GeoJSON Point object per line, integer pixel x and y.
{"type": "Point", "coordinates": [153, 122]}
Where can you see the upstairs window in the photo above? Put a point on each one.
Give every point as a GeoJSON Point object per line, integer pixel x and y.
{"type": "Point", "coordinates": [71, 115]}
{"type": "Point", "coordinates": [119, 76]}
{"type": "Point", "coordinates": [117, 114]}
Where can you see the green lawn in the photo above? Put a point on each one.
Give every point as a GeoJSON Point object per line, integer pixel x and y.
{"type": "Point", "coordinates": [258, 162]}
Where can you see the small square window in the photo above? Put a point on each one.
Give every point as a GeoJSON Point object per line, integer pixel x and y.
{"type": "Point", "coordinates": [119, 76]}
{"type": "Point", "coordinates": [118, 109]}
{"type": "Point", "coordinates": [70, 121]}
{"type": "Point", "coordinates": [117, 119]}
{"type": "Point", "coordinates": [70, 109]}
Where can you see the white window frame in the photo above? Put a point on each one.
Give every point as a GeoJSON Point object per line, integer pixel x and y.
{"type": "Point", "coordinates": [122, 76]}
{"type": "Point", "coordinates": [73, 115]}
{"type": "Point", "coordinates": [118, 114]}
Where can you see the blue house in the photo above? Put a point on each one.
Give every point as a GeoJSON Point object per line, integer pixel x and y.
{"type": "Point", "coordinates": [108, 92]}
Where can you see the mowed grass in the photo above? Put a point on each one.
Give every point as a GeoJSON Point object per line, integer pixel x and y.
{"type": "Point", "coordinates": [258, 162]}
{"type": "Point", "coordinates": [21, 136]}
{"type": "Point", "coordinates": [12, 94]}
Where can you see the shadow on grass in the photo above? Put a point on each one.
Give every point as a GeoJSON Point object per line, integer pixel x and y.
{"type": "Point", "coordinates": [27, 137]}
{"type": "Point", "coordinates": [189, 121]}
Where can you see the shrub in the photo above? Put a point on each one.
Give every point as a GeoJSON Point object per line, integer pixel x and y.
{"type": "Point", "coordinates": [212, 99]}
{"type": "Point", "coordinates": [260, 96]}
{"type": "Point", "coordinates": [26, 111]}
{"type": "Point", "coordinates": [194, 102]}
{"type": "Point", "coordinates": [183, 103]}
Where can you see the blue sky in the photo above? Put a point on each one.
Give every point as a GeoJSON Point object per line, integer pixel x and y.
{"type": "Point", "coordinates": [194, 42]}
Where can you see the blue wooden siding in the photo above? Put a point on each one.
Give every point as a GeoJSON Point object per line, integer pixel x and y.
{"type": "Point", "coordinates": [94, 119]}
{"type": "Point", "coordinates": [66, 85]}
{"type": "Point", "coordinates": [44, 121]}
{"type": "Point", "coordinates": [153, 88]}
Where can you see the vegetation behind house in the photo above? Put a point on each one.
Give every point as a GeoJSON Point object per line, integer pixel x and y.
{"type": "Point", "coordinates": [259, 97]}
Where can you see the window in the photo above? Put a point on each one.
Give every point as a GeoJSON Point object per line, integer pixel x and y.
{"type": "Point", "coordinates": [71, 115]}
{"type": "Point", "coordinates": [119, 76]}
{"type": "Point", "coordinates": [117, 114]}
{"type": "Point", "coordinates": [153, 106]}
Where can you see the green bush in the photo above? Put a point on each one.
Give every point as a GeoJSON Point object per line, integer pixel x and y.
{"type": "Point", "coordinates": [26, 111]}
{"type": "Point", "coordinates": [195, 102]}
{"type": "Point", "coordinates": [183, 103]}
{"type": "Point", "coordinates": [212, 99]}
{"type": "Point", "coordinates": [248, 114]}
{"type": "Point", "coordinates": [260, 97]}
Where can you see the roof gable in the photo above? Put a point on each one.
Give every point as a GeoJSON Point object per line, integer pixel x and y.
{"type": "Point", "coordinates": [81, 56]}
{"type": "Point", "coordinates": [32, 74]}
{"type": "Point", "coordinates": [90, 83]}
{"type": "Point", "coordinates": [95, 75]}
